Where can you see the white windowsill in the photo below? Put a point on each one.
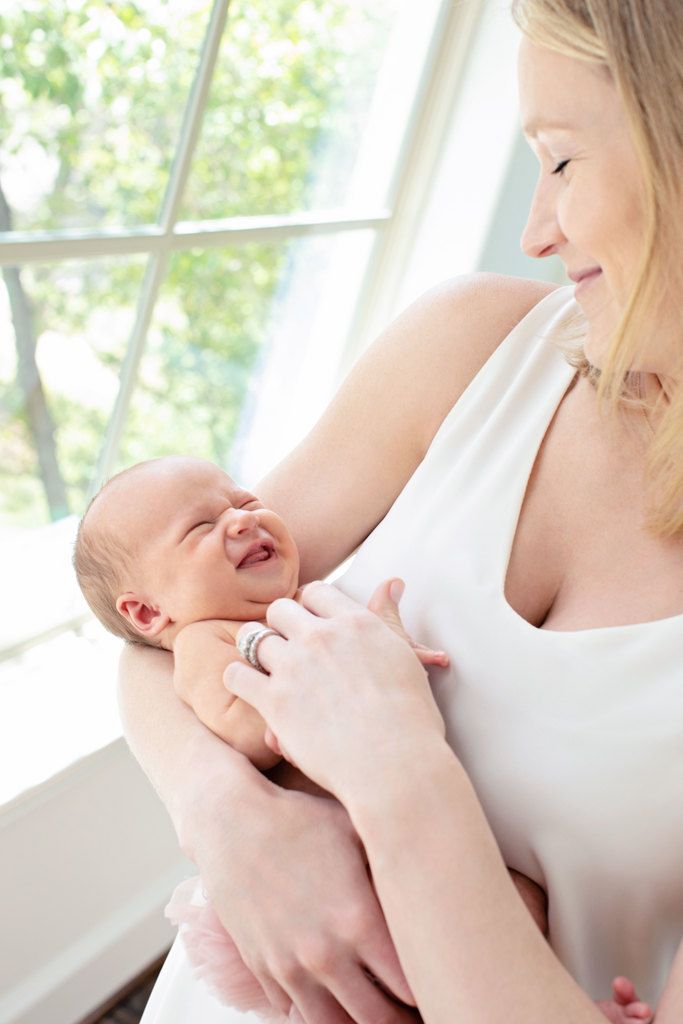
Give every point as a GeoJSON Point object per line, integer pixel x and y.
{"type": "Point", "coordinates": [57, 705]}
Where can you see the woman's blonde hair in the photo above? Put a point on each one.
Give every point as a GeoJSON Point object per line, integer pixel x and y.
{"type": "Point", "coordinates": [640, 43]}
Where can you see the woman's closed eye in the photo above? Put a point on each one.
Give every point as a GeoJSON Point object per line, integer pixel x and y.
{"type": "Point", "coordinates": [560, 167]}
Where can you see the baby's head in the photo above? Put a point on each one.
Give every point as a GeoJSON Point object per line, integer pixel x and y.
{"type": "Point", "coordinates": [174, 541]}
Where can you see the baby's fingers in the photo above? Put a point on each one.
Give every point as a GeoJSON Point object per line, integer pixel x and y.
{"type": "Point", "coordinates": [426, 656]}
{"type": "Point", "coordinates": [638, 1011]}
{"type": "Point", "coordinates": [626, 996]}
{"type": "Point", "coordinates": [624, 990]}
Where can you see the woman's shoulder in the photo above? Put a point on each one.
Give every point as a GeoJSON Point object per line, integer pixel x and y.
{"type": "Point", "coordinates": [488, 305]}
{"type": "Point", "coordinates": [466, 319]}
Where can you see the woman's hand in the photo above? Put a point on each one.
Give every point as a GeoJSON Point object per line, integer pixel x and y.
{"type": "Point", "coordinates": [288, 878]}
{"type": "Point", "coordinates": [384, 602]}
{"type": "Point", "coordinates": [347, 699]}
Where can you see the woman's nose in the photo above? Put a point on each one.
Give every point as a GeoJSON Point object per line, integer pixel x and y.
{"type": "Point", "coordinates": [241, 520]}
{"type": "Point", "coordinates": [542, 234]}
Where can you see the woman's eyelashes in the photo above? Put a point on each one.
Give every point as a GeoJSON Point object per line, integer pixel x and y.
{"type": "Point", "coordinates": [560, 167]}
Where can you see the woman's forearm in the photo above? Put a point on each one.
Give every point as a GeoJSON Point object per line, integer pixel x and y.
{"type": "Point", "coordinates": [193, 771]}
{"type": "Point", "coordinates": [466, 942]}
{"type": "Point", "coordinates": [281, 908]}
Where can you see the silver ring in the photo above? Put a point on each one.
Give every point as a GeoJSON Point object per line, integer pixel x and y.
{"type": "Point", "coordinates": [248, 644]}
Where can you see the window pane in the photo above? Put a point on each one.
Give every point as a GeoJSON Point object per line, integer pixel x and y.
{"type": "Point", "coordinates": [242, 338]}
{"type": "Point", "coordinates": [308, 105]}
{"type": "Point", "coordinates": [91, 98]}
{"type": "Point", "coordinates": [67, 327]}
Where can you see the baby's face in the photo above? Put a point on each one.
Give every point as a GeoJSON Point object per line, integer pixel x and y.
{"type": "Point", "coordinates": [207, 548]}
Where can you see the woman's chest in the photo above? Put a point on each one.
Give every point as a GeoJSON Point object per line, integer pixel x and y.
{"type": "Point", "coordinates": [582, 557]}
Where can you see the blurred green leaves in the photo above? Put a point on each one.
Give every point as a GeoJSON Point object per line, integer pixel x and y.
{"type": "Point", "coordinates": [92, 94]}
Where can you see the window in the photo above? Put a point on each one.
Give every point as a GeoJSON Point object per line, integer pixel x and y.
{"type": "Point", "coordinates": [191, 208]}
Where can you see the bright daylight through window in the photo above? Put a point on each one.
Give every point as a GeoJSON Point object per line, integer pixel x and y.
{"type": "Point", "coordinates": [189, 206]}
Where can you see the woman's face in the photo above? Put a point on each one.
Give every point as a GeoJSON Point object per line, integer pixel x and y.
{"type": "Point", "coordinates": [588, 206]}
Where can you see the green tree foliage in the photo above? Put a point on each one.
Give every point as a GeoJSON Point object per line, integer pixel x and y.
{"type": "Point", "coordinates": [91, 100]}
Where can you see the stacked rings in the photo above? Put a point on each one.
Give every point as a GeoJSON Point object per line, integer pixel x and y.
{"type": "Point", "coordinates": [248, 644]}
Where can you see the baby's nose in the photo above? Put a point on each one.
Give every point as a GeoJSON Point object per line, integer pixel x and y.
{"type": "Point", "coordinates": [241, 521]}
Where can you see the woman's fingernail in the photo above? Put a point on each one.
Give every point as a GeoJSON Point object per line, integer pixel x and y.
{"type": "Point", "coordinates": [396, 590]}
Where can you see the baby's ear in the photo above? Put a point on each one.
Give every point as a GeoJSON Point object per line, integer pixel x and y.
{"type": "Point", "coordinates": [145, 619]}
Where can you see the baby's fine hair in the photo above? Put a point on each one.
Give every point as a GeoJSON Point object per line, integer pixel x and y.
{"type": "Point", "coordinates": [101, 560]}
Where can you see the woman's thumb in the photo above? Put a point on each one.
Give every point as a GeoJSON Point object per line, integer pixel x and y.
{"type": "Point", "coordinates": [384, 603]}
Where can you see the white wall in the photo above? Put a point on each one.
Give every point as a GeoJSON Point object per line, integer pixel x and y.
{"type": "Point", "coordinates": [87, 862]}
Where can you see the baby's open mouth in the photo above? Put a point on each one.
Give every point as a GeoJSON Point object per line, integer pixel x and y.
{"type": "Point", "coordinates": [256, 554]}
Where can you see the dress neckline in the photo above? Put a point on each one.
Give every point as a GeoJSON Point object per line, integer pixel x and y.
{"type": "Point", "coordinates": [512, 527]}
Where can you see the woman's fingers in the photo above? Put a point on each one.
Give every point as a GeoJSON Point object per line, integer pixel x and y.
{"type": "Point", "coordinates": [264, 650]}
{"type": "Point", "coordinates": [324, 600]}
{"type": "Point", "coordinates": [276, 996]}
{"type": "Point", "coordinates": [346, 698]}
{"type": "Point", "coordinates": [316, 1005]}
{"type": "Point", "coordinates": [288, 617]}
{"type": "Point", "coordinates": [381, 960]}
{"type": "Point", "coordinates": [365, 1001]}
{"type": "Point", "coordinates": [296, 872]}
{"type": "Point", "coordinates": [251, 686]}
{"type": "Point", "coordinates": [384, 603]}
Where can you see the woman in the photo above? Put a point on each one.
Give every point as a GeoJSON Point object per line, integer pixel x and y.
{"type": "Point", "coordinates": [550, 537]}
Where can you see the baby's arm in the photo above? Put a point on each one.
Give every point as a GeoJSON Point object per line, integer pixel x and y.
{"type": "Point", "coordinates": [202, 651]}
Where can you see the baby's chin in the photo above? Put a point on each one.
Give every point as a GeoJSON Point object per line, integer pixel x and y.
{"type": "Point", "coordinates": [257, 605]}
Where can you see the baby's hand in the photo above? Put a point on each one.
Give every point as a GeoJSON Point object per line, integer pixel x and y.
{"type": "Point", "coordinates": [426, 656]}
{"type": "Point", "coordinates": [383, 604]}
{"type": "Point", "coordinates": [625, 1008]}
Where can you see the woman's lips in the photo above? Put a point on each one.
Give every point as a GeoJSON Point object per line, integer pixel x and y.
{"type": "Point", "coordinates": [586, 281]}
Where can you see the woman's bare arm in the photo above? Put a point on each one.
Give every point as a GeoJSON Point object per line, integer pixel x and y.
{"type": "Point", "coordinates": [493, 962]}
{"type": "Point", "coordinates": [284, 870]}
{"type": "Point", "coordinates": [332, 490]}
{"type": "Point", "coordinates": [185, 762]}
{"type": "Point", "coordinates": [335, 487]}
{"type": "Point", "coordinates": [670, 1010]}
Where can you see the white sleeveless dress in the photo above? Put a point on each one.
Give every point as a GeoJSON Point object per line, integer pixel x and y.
{"type": "Point", "coordinates": [573, 740]}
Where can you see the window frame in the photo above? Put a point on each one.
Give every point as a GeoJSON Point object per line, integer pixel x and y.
{"type": "Point", "coordinates": [393, 224]}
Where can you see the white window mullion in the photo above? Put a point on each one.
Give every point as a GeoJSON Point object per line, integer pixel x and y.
{"type": "Point", "coordinates": [18, 248]}
{"type": "Point", "coordinates": [193, 115]}
{"type": "Point", "coordinates": [297, 382]}
{"type": "Point", "coordinates": [158, 262]}
{"type": "Point", "coordinates": [444, 66]}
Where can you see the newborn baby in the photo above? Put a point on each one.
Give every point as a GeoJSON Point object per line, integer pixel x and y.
{"type": "Point", "coordinates": [173, 553]}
